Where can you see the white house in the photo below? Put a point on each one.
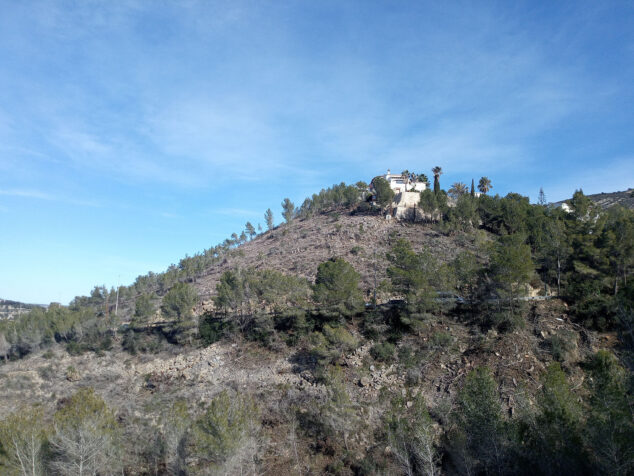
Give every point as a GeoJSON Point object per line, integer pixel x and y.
{"type": "Point", "coordinates": [399, 183]}
{"type": "Point", "coordinates": [407, 194]}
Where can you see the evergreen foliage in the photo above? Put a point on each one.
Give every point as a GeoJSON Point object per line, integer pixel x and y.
{"type": "Point", "coordinates": [484, 185]}
{"type": "Point", "coordinates": [337, 196]}
{"type": "Point", "coordinates": [268, 218]}
{"type": "Point", "coordinates": [553, 437]}
{"type": "Point", "coordinates": [481, 428]}
{"type": "Point", "coordinates": [288, 210]}
{"type": "Point", "coordinates": [179, 302]}
{"type": "Point", "coordinates": [249, 230]}
{"type": "Point", "coordinates": [87, 436]}
{"type": "Point", "coordinates": [510, 269]}
{"type": "Point", "coordinates": [437, 171]}
{"type": "Point", "coordinates": [384, 195]}
{"type": "Point", "coordinates": [415, 276]}
{"type": "Point", "coordinates": [610, 427]}
{"type": "Point", "coordinates": [23, 438]}
{"type": "Point", "coordinates": [337, 287]}
{"type": "Point", "coordinates": [144, 309]}
{"type": "Point", "coordinates": [224, 427]}
{"type": "Point", "coordinates": [244, 291]}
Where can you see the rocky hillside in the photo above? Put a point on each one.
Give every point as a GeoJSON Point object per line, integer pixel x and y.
{"type": "Point", "coordinates": [298, 248]}
{"type": "Point", "coordinates": [11, 309]}
{"type": "Point", "coordinates": [142, 387]}
{"type": "Point", "coordinates": [335, 392]}
{"type": "Point", "coordinates": [607, 200]}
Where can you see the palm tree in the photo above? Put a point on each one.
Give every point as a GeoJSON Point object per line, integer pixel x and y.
{"type": "Point", "coordinates": [437, 171]}
{"type": "Point", "coordinates": [405, 174]}
{"type": "Point", "coordinates": [484, 185]}
{"type": "Point", "coordinates": [457, 189]}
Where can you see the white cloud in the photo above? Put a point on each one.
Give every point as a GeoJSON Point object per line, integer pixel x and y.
{"type": "Point", "coordinates": [23, 193]}
{"type": "Point", "coordinates": [41, 195]}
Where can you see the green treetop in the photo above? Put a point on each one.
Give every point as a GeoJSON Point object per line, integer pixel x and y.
{"type": "Point", "coordinates": [337, 287]}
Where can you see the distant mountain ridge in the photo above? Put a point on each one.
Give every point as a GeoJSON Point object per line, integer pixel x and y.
{"type": "Point", "coordinates": [11, 309]}
{"type": "Point", "coordinates": [607, 200]}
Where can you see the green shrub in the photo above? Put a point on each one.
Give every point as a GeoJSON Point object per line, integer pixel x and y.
{"type": "Point", "coordinates": [383, 352]}
{"type": "Point", "coordinates": [129, 342]}
{"type": "Point", "coordinates": [211, 329]}
{"type": "Point", "coordinates": [440, 340]}
{"type": "Point", "coordinates": [340, 338]}
{"type": "Point", "coordinates": [75, 348]}
{"type": "Point", "coordinates": [222, 429]}
{"type": "Point", "coordinates": [326, 347]}
{"type": "Point", "coordinates": [407, 357]}
{"type": "Point", "coordinates": [143, 310]}
{"type": "Point", "coordinates": [46, 373]}
{"type": "Point", "coordinates": [356, 250]}
{"type": "Point", "coordinates": [560, 346]}
{"type": "Point", "coordinates": [260, 329]}
{"type": "Point", "coordinates": [23, 438]}
{"type": "Point", "coordinates": [179, 301]}
{"type": "Point", "coordinates": [337, 287]}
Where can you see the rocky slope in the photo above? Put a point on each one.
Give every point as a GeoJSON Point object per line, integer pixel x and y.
{"type": "Point", "coordinates": [607, 200]}
{"type": "Point", "coordinates": [11, 309]}
{"type": "Point", "coordinates": [299, 247]}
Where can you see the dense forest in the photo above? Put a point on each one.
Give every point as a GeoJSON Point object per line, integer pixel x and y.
{"type": "Point", "coordinates": [516, 254]}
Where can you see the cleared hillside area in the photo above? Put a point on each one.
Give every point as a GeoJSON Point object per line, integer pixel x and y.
{"type": "Point", "coordinates": [299, 247]}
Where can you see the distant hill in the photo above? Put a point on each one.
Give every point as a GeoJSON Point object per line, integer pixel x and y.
{"type": "Point", "coordinates": [607, 200]}
{"type": "Point", "coordinates": [11, 309]}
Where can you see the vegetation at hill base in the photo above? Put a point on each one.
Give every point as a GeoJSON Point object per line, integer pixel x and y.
{"type": "Point", "coordinates": [510, 353]}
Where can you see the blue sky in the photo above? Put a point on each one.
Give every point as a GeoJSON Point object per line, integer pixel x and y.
{"type": "Point", "coordinates": [135, 132]}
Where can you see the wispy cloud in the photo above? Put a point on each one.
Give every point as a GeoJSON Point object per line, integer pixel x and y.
{"type": "Point", "coordinates": [41, 195]}
{"type": "Point", "coordinates": [237, 212]}
{"type": "Point", "coordinates": [28, 194]}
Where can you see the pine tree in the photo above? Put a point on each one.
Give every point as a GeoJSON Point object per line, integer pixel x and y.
{"type": "Point", "coordinates": [337, 287]}
{"type": "Point", "coordinates": [288, 208]}
{"type": "Point", "coordinates": [268, 217]}
{"type": "Point", "coordinates": [250, 230]}
{"type": "Point", "coordinates": [384, 195]}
